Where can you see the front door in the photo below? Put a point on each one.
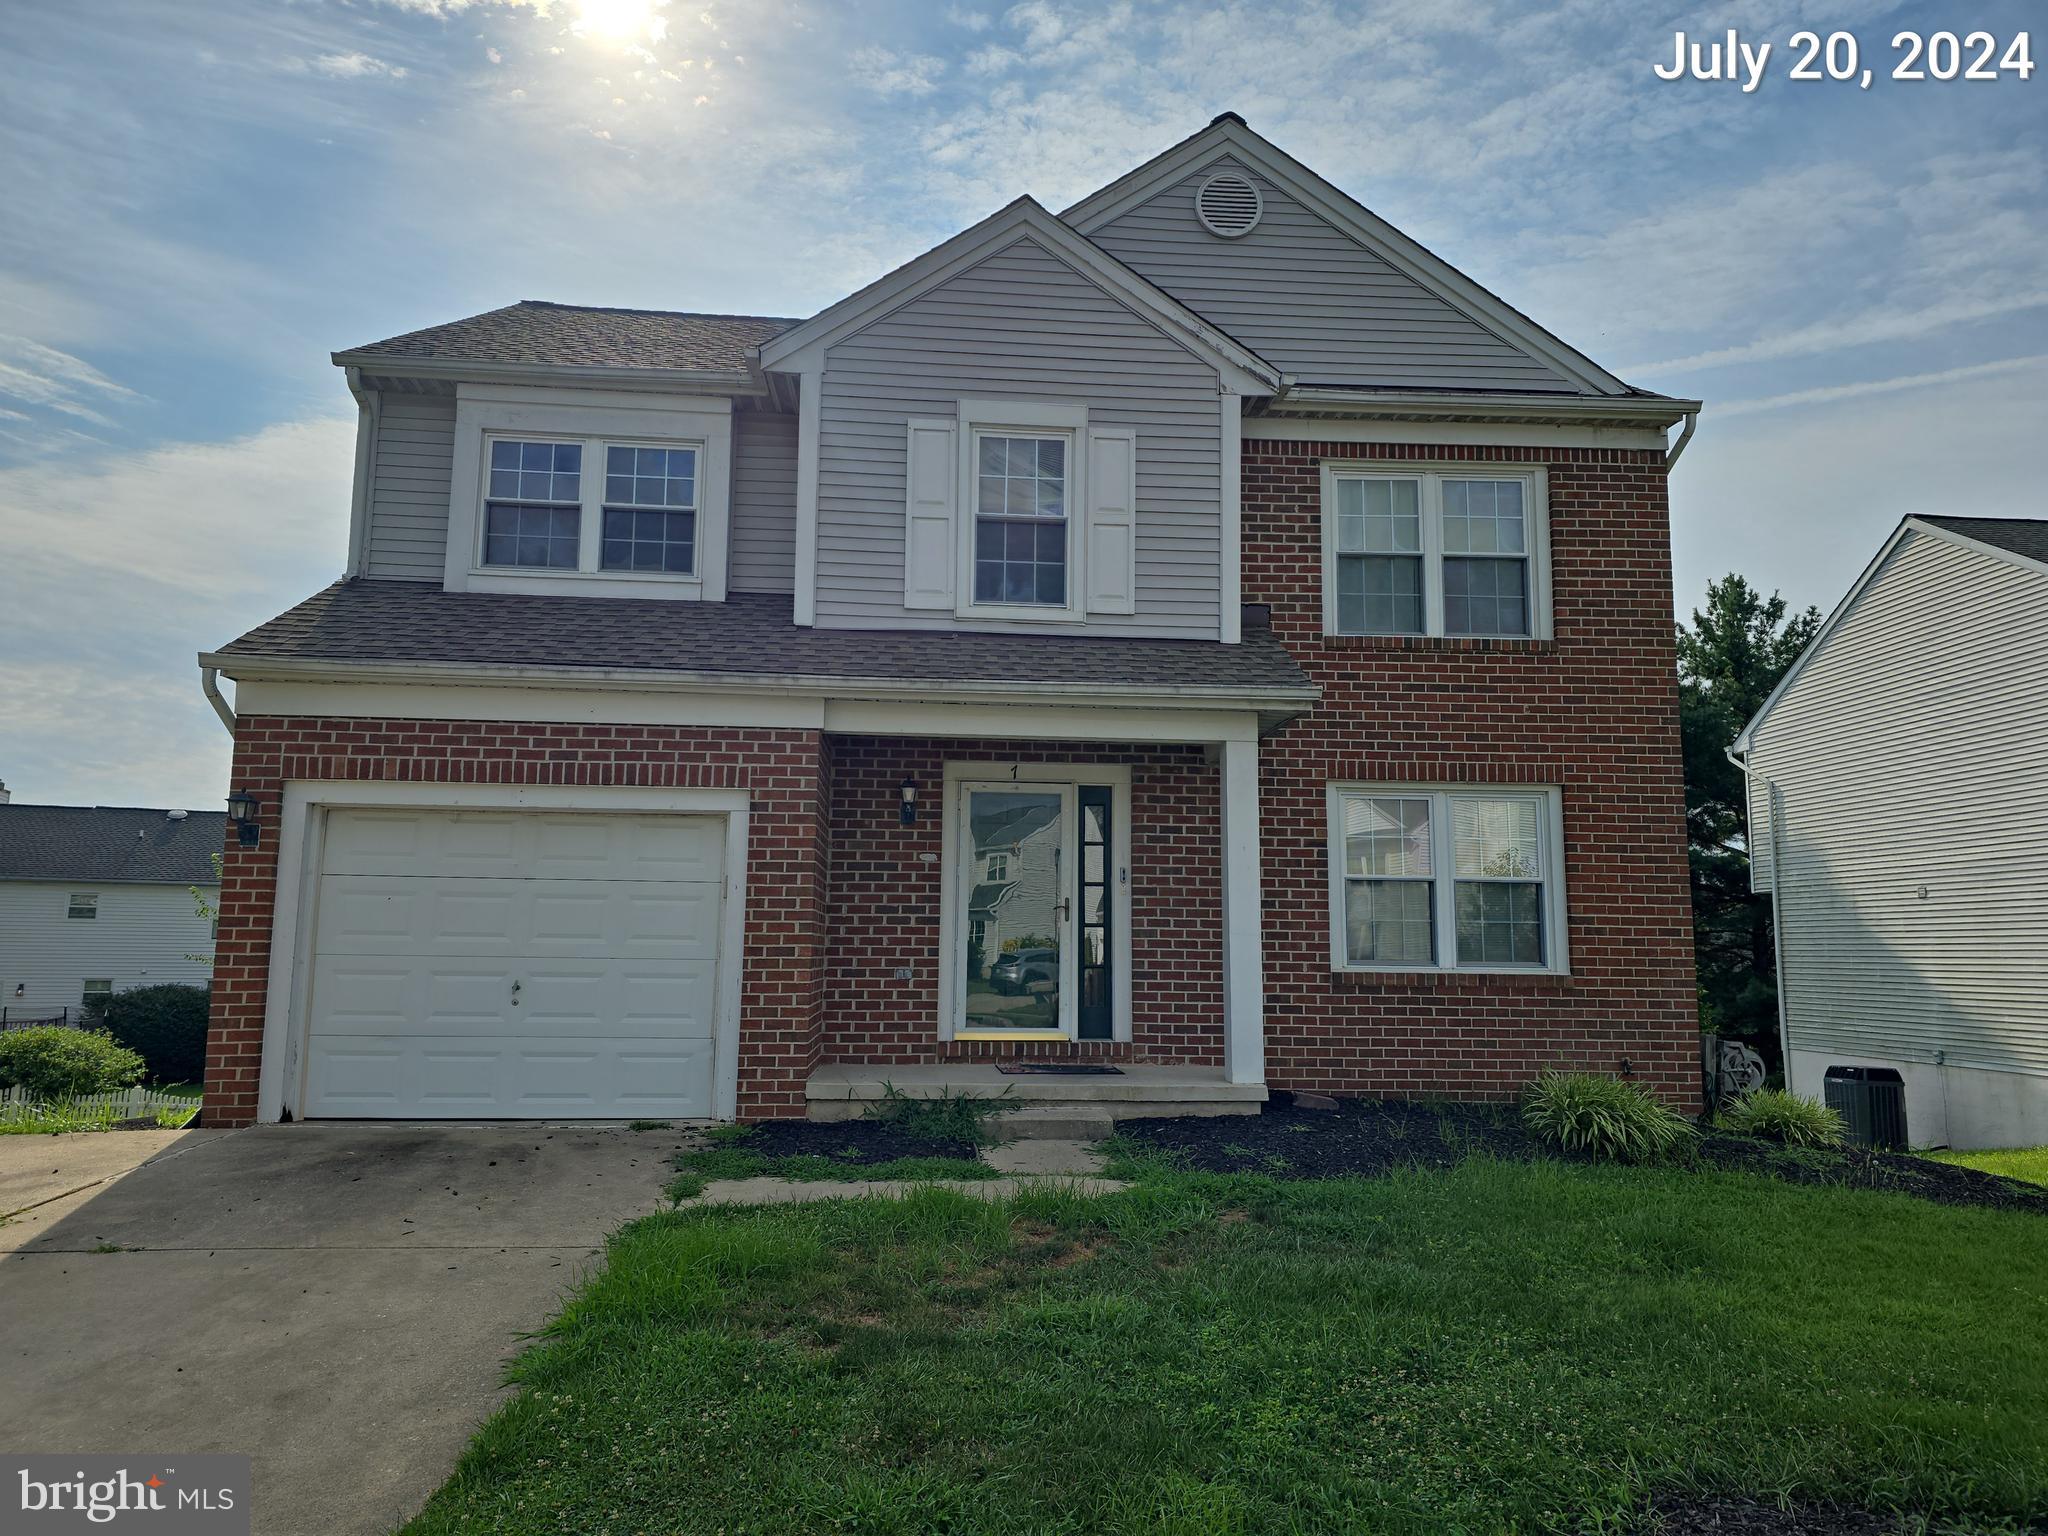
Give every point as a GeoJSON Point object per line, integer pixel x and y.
{"type": "Point", "coordinates": [1020, 968]}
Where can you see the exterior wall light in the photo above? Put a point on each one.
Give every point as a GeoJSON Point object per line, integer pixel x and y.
{"type": "Point", "coordinates": [242, 809]}
{"type": "Point", "coordinates": [906, 794]}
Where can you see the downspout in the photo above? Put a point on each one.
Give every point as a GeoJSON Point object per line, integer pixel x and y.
{"type": "Point", "coordinates": [1777, 908]}
{"type": "Point", "coordinates": [1692, 421]}
{"type": "Point", "coordinates": [369, 417]}
{"type": "Point", "coordinates": [209, 684]}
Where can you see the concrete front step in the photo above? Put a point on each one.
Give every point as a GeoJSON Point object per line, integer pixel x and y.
{"type": "Point", "coordinates": [848, 1090]}
{"type": "Point", "coordinates": [1052, 1122]}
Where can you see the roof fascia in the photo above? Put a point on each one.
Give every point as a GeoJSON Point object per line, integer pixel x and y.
{"type": "Point", "coordinates": [804, 346]}
{"type": "Point", "coordinates": [1331, 400]}
{"type": "Point", "coordinates": [725, 381]}
{"type": "Point", "coordinates": [1347, 214]}
{"type": "Point", "coordinates": [951, 691]}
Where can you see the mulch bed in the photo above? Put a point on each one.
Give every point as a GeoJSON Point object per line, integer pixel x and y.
{"type": "Point", "coordinates": [1368, 1137]}
{"type": "Point", "coordinates": [858, 1143]}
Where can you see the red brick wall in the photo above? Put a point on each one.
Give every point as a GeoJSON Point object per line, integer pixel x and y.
{"type": "Point", "coordinates": [783, 772]}
{"type": "Point", "coordinates": [1593, 710]}
{"type": "Point", "coordinates": [885, 897]}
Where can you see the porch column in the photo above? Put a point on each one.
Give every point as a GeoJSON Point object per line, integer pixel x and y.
{"type": "Point", "coordinates": [1244, 981]}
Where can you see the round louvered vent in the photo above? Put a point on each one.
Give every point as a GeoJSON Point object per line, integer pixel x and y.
{"type": "Point", "coordinates": [1228, 205]}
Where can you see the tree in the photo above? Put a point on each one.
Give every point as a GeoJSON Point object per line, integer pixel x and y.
{"type": "Point", "coordinates": [1729, 659]}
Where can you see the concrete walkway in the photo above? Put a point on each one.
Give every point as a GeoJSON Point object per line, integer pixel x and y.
{"type": "Point", "coordinates": [1074, 1165]}
{"type": "Point", "coordinates": [338, 1301]}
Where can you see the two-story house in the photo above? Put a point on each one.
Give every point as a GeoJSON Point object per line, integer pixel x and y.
{"type": "Point", "coordinates": [1199, 632]}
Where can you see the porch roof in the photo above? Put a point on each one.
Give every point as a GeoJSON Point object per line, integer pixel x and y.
{"type": "Point", "coordinates": [749, 638]}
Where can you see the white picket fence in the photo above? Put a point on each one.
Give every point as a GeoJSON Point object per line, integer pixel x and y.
{"type": "Point", "coordinates": [122, 1104]}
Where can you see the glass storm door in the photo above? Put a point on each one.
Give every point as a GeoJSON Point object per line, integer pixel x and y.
{"type": "Point", "coordinates": [1019, 971]}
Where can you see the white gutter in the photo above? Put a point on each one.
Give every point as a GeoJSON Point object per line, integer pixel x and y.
{"type": "Point", "coordinates": [718, 381]}
{"type": "Point", "coordinates": [914, 690]}
{"type": "Point", "coordinates": [1741, 761]}
{"type": "Point", "coordinates": [209, 684]}
{"type": "Point", "coordinates": [1332, 400]}
{"type": "Point", "coordinates": [1692, 421]}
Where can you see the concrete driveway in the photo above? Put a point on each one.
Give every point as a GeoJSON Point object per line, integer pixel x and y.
{"type": "Point", "coordinates": [337, 1301]}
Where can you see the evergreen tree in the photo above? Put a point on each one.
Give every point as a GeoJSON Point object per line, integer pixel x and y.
{"type": "Point", "coordinates": [1729, 659]}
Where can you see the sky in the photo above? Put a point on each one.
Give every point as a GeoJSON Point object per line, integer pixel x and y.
{"type": "Point", "coordinates": [208, 198]}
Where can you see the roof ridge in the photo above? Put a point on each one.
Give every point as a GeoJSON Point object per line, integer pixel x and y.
{"type": "Point", "coordinates": [627, 309]}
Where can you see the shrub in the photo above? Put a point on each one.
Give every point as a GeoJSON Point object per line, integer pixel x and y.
{"type": "Point", "coordinates": [53, 1062]}
{"type": "Point", "coordinates": [1776, 1115]}
{"type": "Point", "coordinates": [948, 1117]}
{"type": "Point", "coordinates": [166, 1023]}
{"type": "Point", "coordinates": [1601, 1116]}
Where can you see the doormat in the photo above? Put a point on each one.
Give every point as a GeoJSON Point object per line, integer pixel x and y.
{"type": "Point", "coordinates": [1056, 1069]}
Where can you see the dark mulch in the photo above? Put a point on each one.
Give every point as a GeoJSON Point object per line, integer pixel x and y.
{"type": "Point", "coordinates": [1377, 1136]}
{"type": "Point", "coordinates": [856, 1142]}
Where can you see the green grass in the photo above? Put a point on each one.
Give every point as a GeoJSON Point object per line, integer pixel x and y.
{"type": "Point", "coordinates": [61, 1119]}
{"type": "Point", "coordinates": [730, 1157]}
{"type": "Point", "coordinates": [1494, 1348]}
{"type": "Point", "coordinates": [2028, 1163]}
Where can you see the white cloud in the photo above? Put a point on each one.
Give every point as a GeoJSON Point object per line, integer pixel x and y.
{"type": "Point", "coordinates": [120, 571]}
{"type": "Point", "coordinates": [993, 60]}
{"type": "Point", "coordinates": [973, 21]}
{"type": "Point", "coordinates": [895, 74]}
{"type": "Point", "coordinates": [38, 375]}
{"type": "Point", "coordinates": [1855, 330]}
{"type": "Point", "coordinates": [1828, 393]}
{"type": "Point", "coordinates": [354, 65]}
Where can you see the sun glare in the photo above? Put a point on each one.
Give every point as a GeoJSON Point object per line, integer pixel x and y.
{"type": "Point", "coordinates": [620, 21]}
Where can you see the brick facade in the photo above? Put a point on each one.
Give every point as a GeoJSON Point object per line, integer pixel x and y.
{"type": "Point", "coordinates": [1594, 711]}
{"type": "Point", "coordinates": [841, 897]}
{"type": "Point", "coordinates": [885, 895]}
{"type": "Point", "coordinates": [783, 772]}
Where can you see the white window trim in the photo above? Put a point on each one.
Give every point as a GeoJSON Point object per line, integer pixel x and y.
{"type": "Point", "coordinates": [1536, 498]}
{"type": "Point", "coordinates": [82, 906]}
{"type": "Point", "coordinates": [1025, 418]}
{"type": "Point", "coordinates": [597, 419]}
{"type": "Point", "coordinates": [1552, 858]}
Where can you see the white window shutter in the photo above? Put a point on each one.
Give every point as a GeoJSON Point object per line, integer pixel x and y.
{"type": "Point", "coordinates": [931, 489]}
{"type": "Point", "coordinates": [1112, 528]}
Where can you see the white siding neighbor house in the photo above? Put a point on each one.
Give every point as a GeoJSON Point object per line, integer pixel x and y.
{"type": "Point", "coordinates": [96, 899]}
{"type": "Point", "coordinates": [1898, 795]}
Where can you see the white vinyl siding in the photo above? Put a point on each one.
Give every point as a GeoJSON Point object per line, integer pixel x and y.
{"type": "Point", "coordinates": [1311, 300]}
{"type": "Point", "coordinates": [1022, 324]}
{"type": "Point", "coordinates": [410, 475]}
{"type": "Point", "coordinates": [143, 935]}
{"type": "Point", "coordinates": [763, 503]}
{"type": "Point", "coordinates": [1910, 755]}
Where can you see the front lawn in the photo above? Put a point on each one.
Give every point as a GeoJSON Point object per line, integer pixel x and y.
{"type": "Point", "coordinates": [1495, 1346]}
{"type": "Point", "coordinates": [848, 1151]}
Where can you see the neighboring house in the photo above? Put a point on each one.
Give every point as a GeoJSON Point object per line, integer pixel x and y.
{"type": "Point", "coordinates": [1898, 815]}
{"type": "Point", "coordinates": [1314, 601]}
{"type": "Point", "coordinates": [98, 899]}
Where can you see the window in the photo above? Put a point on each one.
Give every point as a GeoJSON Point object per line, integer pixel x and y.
{"type": "Point", "coordinates": [533, 512]}
{"type": "Point", "coordinates": [1411, 552]}
{"type": "Point", "coordinates": [650, 509]}
{"type": "Point", "coordinates": [998, 868]}
{"type": "Point", "coordinates": [95, 990]}
{"type": "Point", "coordinates": [86, 907]}
{"type": "Point", "coordinates": [1446, 879]}
{"type": "Point", "coordinates": [1020, 519]}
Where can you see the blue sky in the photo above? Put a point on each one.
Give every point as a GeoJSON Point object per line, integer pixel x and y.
{"type": "Point", "coordinates": [207, 198]}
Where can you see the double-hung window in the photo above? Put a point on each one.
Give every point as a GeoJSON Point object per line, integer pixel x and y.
{"type": "Point", "coordinates": [83, 905]}
{"type": "Point", "coordinates": [1451, 552]}
{"type": "Point", "coordinates": [1425, 878]}
{"type": "Point", "coordinates": [538, 501]}
{"type": "Point", "coordinates": [1021, 524]}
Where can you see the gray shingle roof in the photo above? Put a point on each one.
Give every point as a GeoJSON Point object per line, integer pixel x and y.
{"type": "Point", "coordinates": [94, 844]}
{"type": "Point", "coordinates": [535, 331]}
{"type": "Point", "coordinates": [748, 634]}
{"type": "Point", "coordinates": [2022, 535]}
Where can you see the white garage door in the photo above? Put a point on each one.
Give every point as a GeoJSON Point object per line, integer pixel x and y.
{"type": "Point", "coordinates": [515, 965]}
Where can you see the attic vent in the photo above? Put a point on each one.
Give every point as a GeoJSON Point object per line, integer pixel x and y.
{"type": "Point", "coordinates": [1228, 205]}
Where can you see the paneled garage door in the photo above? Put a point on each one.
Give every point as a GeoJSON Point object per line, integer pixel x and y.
{"type": "Point", "coordinates": [514, 965]}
